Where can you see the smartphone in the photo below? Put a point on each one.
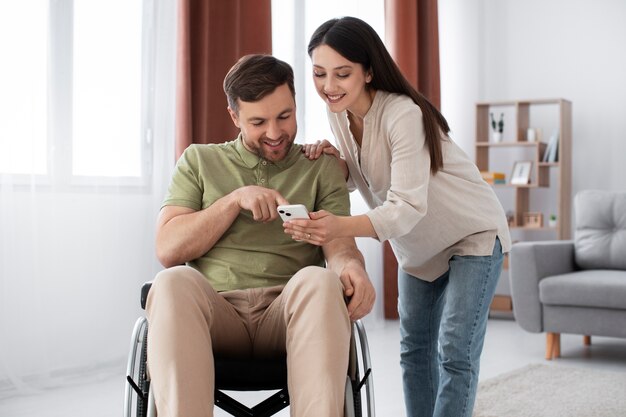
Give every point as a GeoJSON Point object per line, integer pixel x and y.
{"type": "Point", "coordinates": [293, 211]}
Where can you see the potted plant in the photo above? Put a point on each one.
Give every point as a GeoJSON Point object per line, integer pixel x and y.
{"type": "Point", "coordinates": [552, 220]}
{"type": "Point", "coordinates": [497, 127]}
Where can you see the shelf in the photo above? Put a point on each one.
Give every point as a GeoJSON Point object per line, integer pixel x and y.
{"type": "Point", "coordinates": [552, 176]}
{"type": "Point", "coordinates": [533, 185]}
{"type": "Point", "coordinates": [520, 102]}
{"type": "Point", "coordinates": [549, 191]}
{"type": "Point", "coordinates": [543, 229]}
{"type": "Point", "coordinates": [508, 144]}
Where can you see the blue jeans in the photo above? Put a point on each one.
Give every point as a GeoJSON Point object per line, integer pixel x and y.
{"type": "Point", "coordinates": [442, 328]}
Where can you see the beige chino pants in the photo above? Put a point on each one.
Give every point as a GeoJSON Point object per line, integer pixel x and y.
{"type": "Point", "coordinates": [189, 321]}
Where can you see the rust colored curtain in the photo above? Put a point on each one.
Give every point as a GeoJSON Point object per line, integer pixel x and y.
{"type": "Point", "coordinates": [412, 37]}
{"type": "Point", "coordinates": [212, 36]}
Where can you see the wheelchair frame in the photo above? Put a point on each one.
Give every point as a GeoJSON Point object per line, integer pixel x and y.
{"type": "Point", "coordinates": [139, 398]}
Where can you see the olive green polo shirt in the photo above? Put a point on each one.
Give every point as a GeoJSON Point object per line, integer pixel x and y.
{"type": "Point", "coordinates": [250, 253]}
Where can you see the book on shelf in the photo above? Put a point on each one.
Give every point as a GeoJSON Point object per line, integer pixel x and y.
{"type": "Point", "coordinates": [552, 150]}
{"type": "Point", "coordinates": [491, 177]}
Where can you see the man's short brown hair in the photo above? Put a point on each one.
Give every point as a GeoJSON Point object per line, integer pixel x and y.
{"type": "Point", "coordinates": [255, 76]}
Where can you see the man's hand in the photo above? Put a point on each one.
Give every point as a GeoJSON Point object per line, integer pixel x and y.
{"type": "Point", "coordinates": [343, 257]}
{"type": "Point", "coordinates": [358, 290]}
{"type": "Point", "coordinates": [184, 234]}
{"type": "Point", "coordinates": [261, 201]}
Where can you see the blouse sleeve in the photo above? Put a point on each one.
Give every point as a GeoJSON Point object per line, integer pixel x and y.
{"type": "Point", "coordinates": [407, 198]}
{"type": "Point", "coordinates": [340, 140]}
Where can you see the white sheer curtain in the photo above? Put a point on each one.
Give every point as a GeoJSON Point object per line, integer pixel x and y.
{"type": "Point", "coordinates": [74, 253]}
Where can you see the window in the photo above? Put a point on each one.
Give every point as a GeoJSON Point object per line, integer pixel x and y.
{"type": "Point", "coordinates": [294, 23]}
{"type": "Point", "coordinates": [107, 88]}
{"type": "Point", "coordinates": [71, 102]}
{"type": "Point", "coordinates": [23, 95]}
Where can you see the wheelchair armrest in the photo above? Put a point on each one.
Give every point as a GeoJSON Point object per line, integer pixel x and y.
{"type": "Point", "coordinates": [145, 289]}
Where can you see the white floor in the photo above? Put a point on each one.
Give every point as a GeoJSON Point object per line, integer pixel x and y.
{"type": "Point", "coordinates": [507, 347]}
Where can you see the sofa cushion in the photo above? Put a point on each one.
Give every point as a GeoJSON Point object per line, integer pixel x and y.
{"type": "Point", "coordinates": [599, 288]}
{"type": "Point", "coordinates": [600, 236]}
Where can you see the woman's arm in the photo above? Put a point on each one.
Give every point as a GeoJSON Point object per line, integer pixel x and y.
{"type": "Point", "coordinates": [325, 227]}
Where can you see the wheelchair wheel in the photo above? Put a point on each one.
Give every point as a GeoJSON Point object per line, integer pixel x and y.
{"type": "Point", "coordinates": [143, 381]}
{"type": "Point", "coordinates": [353, 406]}
{"type": "Point", "coordinates": [348, 406]}
{"type": "Point", "coordinates": [137, 381]}
{"type": "Point", "coordinates": [360, 371]}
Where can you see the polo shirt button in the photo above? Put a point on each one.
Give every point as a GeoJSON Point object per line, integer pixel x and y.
{"type": "Point", "coordinates": [264, 162]}
{"type": "Point", "coordinates": [262, 179]}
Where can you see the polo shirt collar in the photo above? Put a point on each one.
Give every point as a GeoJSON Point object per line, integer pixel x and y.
{"type": "Point", "coordinates": [251, 160]}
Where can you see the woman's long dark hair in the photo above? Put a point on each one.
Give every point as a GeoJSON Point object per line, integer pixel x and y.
{"type": "Point", "coordinates": [358, 42]}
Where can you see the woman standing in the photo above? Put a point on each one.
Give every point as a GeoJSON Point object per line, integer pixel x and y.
{"type": "Point", "coordinates": [445, 224]}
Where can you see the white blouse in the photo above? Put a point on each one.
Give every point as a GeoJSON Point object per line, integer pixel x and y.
{"type": "Point", "coordinates": [428, 219]}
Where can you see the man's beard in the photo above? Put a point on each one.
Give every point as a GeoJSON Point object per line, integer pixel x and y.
{"type": "Point", "coordinates": [272, 154]}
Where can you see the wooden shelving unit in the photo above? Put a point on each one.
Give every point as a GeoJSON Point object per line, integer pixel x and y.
{"type": "Point", "coordinates": [548, 115]}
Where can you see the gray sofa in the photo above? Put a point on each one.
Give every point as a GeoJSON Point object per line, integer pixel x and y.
{"type": "Point", "coordinates": [579, 286]}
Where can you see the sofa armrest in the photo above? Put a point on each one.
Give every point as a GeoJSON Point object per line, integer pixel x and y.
{"type": "Point", "coordinates": [529, 263]}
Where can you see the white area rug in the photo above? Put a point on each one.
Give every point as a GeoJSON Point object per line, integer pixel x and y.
{"type": "Point", "coordinates": [552, 391]}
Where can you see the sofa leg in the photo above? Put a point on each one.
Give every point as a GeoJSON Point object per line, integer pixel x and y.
{"type": "Point", "coordinates": [587, 340]}
{"type": "Point", "coordinates": [553, 345]}
{"type": "Point", "coordinates": [549, 345]}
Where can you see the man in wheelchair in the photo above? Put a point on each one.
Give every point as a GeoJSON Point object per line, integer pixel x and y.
{"type": "Point", "coordinates": [236, 285]}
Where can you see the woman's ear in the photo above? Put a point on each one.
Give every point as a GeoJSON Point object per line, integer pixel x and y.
{"type": "Point", "coordinates": [368, 77]}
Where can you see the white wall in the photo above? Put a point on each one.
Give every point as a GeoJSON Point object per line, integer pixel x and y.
{"type": "Point", "coordinates": [459, 58]}
{"type": "Point", "coordinates": [526, 49]}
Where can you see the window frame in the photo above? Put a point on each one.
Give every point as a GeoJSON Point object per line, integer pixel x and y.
{"type": "Point", "coordinates": [60, 113]}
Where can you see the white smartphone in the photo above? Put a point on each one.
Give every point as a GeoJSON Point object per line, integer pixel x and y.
{"type": "Point", "coordinates": [293, 211]}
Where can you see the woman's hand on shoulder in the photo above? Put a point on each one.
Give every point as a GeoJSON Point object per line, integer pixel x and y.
{"type": "Point", "coordinates": [314, 150]}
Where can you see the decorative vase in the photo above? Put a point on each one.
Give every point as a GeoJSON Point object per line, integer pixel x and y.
{"type": "Point", "coordinates": [497, 137]}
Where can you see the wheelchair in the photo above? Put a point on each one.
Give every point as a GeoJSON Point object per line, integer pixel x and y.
{"type": "Point", "coordinates": [248, 374]}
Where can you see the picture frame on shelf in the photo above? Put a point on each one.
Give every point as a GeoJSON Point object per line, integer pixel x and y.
{"type": "Point", "coordinates": [521, 172]}
{"type": "Point", "coordinates": [532, 220]}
